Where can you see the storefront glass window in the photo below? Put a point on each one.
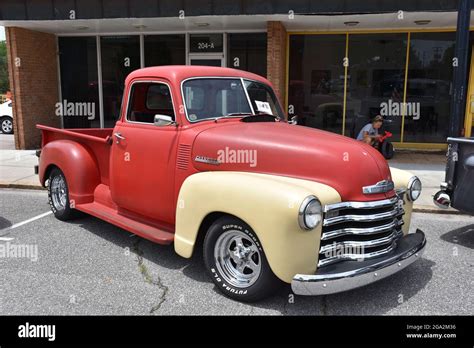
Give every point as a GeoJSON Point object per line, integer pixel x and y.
{"type": "Point", "coordinates": [375, 81]}
{"type": "Point", "coordinates": [430, 73]}
{"type": "Point", "coordinates": [78, 62]}
{"type": "Point", "coordinates": [316, 80]}
{"type": "Point", "coordinates": [248, 52]}
{"type": "Point", "coordinates": [165, 50]}
{"type": "Point", "coordinates": [120, 56]}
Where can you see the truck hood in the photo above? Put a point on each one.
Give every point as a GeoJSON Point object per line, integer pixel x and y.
{"type": "Point", "coordinates": [295, 151]}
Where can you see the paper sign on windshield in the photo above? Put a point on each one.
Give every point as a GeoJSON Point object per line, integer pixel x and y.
{"type": "Point", "coordinates": [263, 107]}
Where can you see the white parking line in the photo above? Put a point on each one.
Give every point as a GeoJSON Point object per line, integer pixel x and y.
{"type": "Point", "coordinates": [6, 239]}
{"type": "Point", "coordinates": [30, 220]}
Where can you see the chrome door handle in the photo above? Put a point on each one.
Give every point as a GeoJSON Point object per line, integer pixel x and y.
{"type": "Point", "coordinates": [119, 137]}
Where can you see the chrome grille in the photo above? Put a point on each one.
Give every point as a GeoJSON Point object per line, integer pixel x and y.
{"type": "Point", "coordinates": [360, 230]}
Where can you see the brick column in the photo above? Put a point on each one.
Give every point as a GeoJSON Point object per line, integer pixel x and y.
{"type": "Point", "coordinates": [33, 73]}
{"type": "Point", "coordinates": [276, 57]}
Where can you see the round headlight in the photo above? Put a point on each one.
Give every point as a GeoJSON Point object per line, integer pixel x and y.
{"type": "Point", "coordinates": [310, 213]}
{"type": "Point", "coordinates": [414, 188]}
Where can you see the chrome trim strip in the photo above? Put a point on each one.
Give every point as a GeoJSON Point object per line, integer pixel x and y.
{"type": "Point", "coordinates": [361, 205]}
{"type": "Point", "coordinates": [361, 231]}
{"type": "Point", "coordinates": [364, 218]}
{"type": "Point", "coordinates": [323, 284]}
{"type": "Point", "coordinates": [207, 160]}
{"type": "Point", "coordinates": [461, 140]}
{"type": "Point", "coordinates": [360, 244]}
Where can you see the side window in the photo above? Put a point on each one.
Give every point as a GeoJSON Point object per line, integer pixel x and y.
{"type": "Point", "coordinates": [148, 99]}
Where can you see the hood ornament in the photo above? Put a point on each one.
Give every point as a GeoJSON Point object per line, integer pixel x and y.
{"type": "Point", "coordinates": [380, 187]}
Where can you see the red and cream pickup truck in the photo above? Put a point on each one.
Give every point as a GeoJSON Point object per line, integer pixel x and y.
{"type": "Point", "coordinates": [204, 156]}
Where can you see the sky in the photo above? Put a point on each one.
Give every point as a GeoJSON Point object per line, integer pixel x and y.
{"type": "Point", "coordinates": [2, 33]}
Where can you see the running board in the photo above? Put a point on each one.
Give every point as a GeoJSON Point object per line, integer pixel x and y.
{"type": "Point", "coordinates": [110, 215]}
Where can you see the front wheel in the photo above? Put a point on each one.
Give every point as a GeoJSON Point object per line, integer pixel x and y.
{"type": "Point", "coordinates": [236, 262]}
{"type": "Point", "coordinates": [58, 196]}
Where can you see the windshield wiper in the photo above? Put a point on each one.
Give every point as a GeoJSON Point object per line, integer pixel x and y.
{"type": "Point", "coordinates": [232, 114]}
{"type": "Point", "coordinates": [263, 114]}
{"type": "Point", "coordinates": [246, 114]}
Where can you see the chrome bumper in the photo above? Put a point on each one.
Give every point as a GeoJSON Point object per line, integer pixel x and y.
{"type": "Point", "coordinates": [349, 275]}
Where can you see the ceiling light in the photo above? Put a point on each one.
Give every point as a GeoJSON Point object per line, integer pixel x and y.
{"type": "Point", "coordinates": [351, 23]}
{"type": "Point", "coordinates": [202, 24]}
{"type": "Point", "coordinates": [139, 26]}
{"type": "Point", "coordinates": [423, 22]}
{"type": "Point", "coordinates": [81, 27]}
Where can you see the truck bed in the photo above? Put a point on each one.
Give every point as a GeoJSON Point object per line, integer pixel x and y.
{"type": "Point", "coordinates": [96, 140]}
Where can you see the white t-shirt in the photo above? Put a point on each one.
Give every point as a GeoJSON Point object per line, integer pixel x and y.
{"type": "Point", "coordinates": [367, 128]}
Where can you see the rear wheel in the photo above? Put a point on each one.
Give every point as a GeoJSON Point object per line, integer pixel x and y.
{"type": "Point", "coordinates": [6, 125]}
{"type": "Point", "coordinates": [58, 196]}
{"type": "Point", "coordinates": [236, 262]}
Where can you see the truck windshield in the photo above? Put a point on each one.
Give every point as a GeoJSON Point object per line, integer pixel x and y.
{"type": "Point", "coordinates": [211, 98]}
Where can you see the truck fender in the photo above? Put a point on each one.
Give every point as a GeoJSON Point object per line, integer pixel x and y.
{"type": "Point", "coordinates": [77, 163]}
{"type": "Point", "coordinates": [400, 179]}
{"type": "Point", "coordinates": [269, 204]}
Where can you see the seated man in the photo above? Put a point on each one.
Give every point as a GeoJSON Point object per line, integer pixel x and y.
{"type": "Point", "coordinates": [369, 134]}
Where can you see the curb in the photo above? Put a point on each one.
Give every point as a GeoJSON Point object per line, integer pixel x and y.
{"type": "Point", "coordinates": [433, 210]}
{"type": "Point", "coordinates": [22, 186]}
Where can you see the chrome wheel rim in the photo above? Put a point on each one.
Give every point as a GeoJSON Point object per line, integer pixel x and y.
{"type": "Point", "coordinates": [58, 192]}
{"type": "Point", "coordinates": [7, 126]}
{"type": "Point", "coordinates": [237, 258]}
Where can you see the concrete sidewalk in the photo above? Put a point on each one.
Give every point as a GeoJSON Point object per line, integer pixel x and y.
{"type": "Point", "coordinates": [430, 168]}
{"type": "Point", "coordinates": [17, 171]}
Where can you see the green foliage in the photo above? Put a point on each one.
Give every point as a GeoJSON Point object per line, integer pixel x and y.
{"type": "Point", "coordinates": [4, 83]}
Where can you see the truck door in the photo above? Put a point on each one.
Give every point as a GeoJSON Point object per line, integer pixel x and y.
{"type": "Point", "coordinates": [143, 154]}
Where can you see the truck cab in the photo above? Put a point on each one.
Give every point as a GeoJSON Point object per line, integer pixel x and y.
{"type": "Point", "coordinates": [205, 153]}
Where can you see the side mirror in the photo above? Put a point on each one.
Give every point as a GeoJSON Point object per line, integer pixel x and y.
{"type": "Point", "coordinates": [293, 120]}
{"type": "Point", "coordinates": [163, 120]}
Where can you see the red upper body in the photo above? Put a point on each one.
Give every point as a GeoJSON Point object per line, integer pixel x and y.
{"type": "Point", "coordinates": [141, 173]}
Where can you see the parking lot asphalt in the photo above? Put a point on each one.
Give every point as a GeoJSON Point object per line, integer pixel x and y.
{"type": "Point", "coordinates": [89, 267]}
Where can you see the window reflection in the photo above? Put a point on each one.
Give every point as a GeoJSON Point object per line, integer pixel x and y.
{"type": "Point", "coordinates": [120, 56]}
{"type": "Point", "coordinates": [375, 81]}
{"type": "Point", "coordinates": [78, 62]}
{"type": "Point", "coordinates": [429, 86]}
{"type": "Point", "coordinates": [316, 80]}
{"type": "Point", "coordinates": [248, 52]}
{"type": "Point", "coordinates": [165, 50]}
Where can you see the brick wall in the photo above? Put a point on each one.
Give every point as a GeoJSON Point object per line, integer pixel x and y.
{"type": "Point", "coordinates": [276, 57]}
{"type": "Point", "coordinates": [32, 68]}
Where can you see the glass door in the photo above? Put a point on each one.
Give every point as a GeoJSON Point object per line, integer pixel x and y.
{"type": "Point", "coordinates": [206, 49]}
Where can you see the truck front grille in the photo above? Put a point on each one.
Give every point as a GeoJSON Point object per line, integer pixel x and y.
{"type": "Point", "coordinates": [360, 230]}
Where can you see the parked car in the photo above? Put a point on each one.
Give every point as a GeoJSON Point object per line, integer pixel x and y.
{"type": "Point", "coordinates": [457, 190]}
{"type": "Point", "coordinates": [203, 154]}
{"type": "Point", "coordinates": [6, 117]}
